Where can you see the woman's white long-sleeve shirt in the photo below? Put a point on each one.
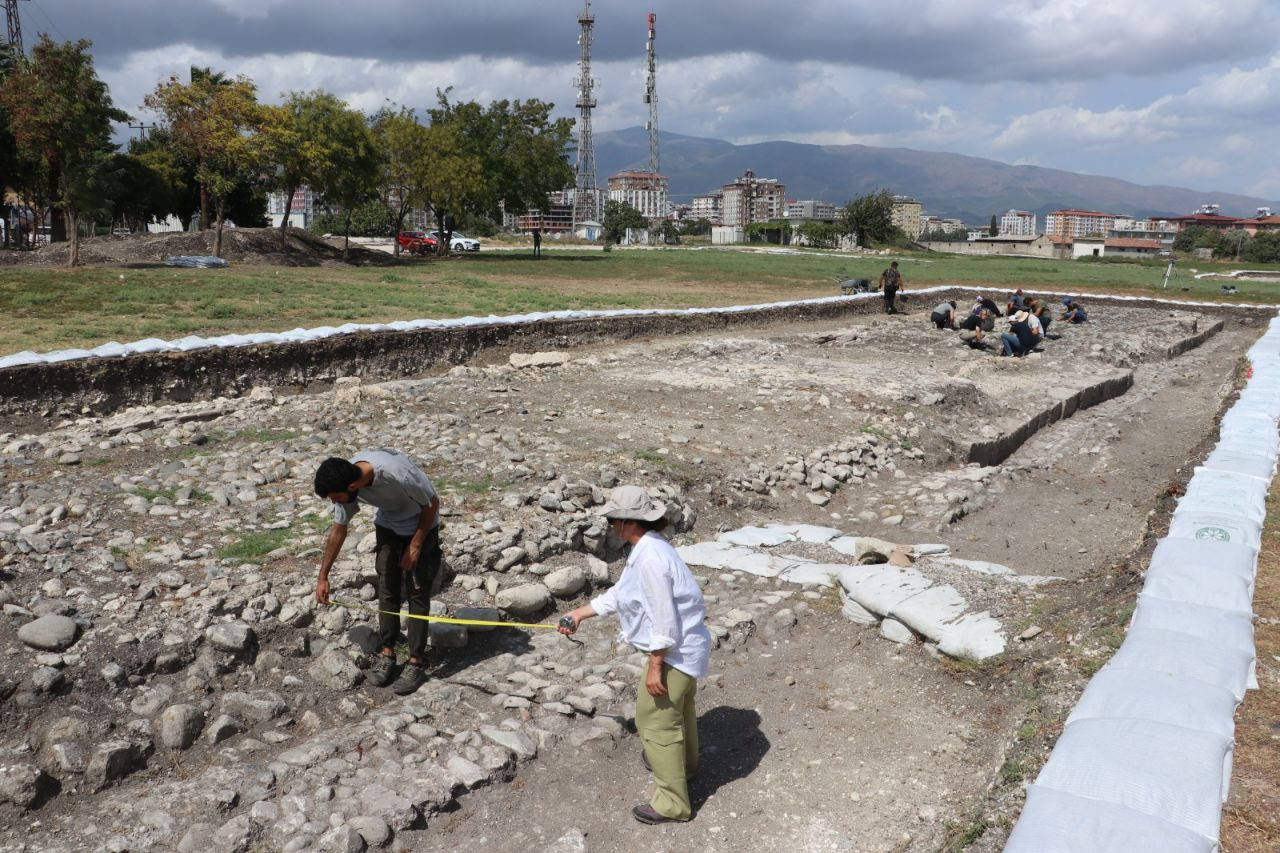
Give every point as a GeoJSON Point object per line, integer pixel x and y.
{"type": "Point", "coordinates": [659, 606]}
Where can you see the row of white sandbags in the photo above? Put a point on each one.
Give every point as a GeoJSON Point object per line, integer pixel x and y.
{"type": "Point", "coordinates": [1144, 761]}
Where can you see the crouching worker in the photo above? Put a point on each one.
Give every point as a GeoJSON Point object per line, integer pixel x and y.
{"type": "Point", "coordinates": [660, 608]}
{"type": "Point", "coordinates": [407, 527]}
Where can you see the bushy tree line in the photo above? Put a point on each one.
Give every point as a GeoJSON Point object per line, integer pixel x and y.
{"type": "Point", "coordinates": [1263, 247]}
{"type": "Point", "coordinates": [218, 150]}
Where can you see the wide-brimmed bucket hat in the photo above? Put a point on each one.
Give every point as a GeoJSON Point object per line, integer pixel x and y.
{"type": "Point", "coordinates": [632, 502]}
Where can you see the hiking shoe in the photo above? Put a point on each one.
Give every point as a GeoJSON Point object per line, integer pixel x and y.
{"type": "Point", "coordinates": [411, 678]}
{"type": "Point", "coordinates": [379, 675]}
{"type": "Point", "coordinates": [648, 814]}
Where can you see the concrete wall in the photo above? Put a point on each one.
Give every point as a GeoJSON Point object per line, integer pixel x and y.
{"type": "Point", "coordinates": [1035, 249]}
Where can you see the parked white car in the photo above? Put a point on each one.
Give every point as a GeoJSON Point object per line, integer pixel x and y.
{"type": "Point", "coordinates": [460, 242]}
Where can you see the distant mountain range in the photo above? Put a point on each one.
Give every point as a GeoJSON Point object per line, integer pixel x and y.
{"type": "Point", "coordinates": [948, 185]}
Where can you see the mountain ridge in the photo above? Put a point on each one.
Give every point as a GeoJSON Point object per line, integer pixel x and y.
{"type": "Point", "coordinates": [947, 184]}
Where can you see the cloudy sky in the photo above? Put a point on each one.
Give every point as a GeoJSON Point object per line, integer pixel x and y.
{"type": "Point", "coordinates": [1178, 92]}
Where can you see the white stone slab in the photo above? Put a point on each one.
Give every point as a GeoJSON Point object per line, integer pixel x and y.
{"type": "Point", "coordinates": [756, 537]}
{"type": "Point", "coordinates": [886, 588]}
{"type": "Point", "coordinates": [713, 555]}
{"type": "Point", "coordinates": [974, 636]}
{"type": "Point", "coordinates": [808, 532]}
{"type": "Point", "coordinates": [931, 612]}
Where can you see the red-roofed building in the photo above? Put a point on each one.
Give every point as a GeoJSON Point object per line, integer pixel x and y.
{"type": "Point", "coordinates": [1214, 221]}
{"type": "Point", "coordinates": [1131, 247]}
{"type": "Point", "coordinates": [1260, 223]}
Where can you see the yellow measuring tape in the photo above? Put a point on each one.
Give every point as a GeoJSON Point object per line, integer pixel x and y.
{"type": "Point", "coordinates": [448, 620]}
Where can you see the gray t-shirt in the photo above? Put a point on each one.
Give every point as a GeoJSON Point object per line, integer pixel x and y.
{"type": "Point", "coordinates": [944, 308]}
{"type": "Point", "coordinates": [399, 491]}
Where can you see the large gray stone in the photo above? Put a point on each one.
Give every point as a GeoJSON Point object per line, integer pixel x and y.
{"type": "Point", "coordinates": [342, 839]}
{"type": "Point", "coordinates": [180, 725]}
{"type": "Point", "coordinates": [468, 772]}
{"type": "Point", "coordinates": [482, 614]}
{"type": "Point", "coordinates": [231, 637]}
{"type": "Point", "coordinates": [20, 784]}
{"type": "Point", "coordinates": [566, 582]}
{"type": "Point", "coordinates": [223, 727]}
{"type": "Point", "coordinates": [51, 633]}
{"type": "Point", "coordinates": [114, 760]}
{"type": "Point", "coordinates": [442, 635]}
{"type": "Point", "coordinates": [372, 829]}
{"type": "Point", "coordinates": [396, 810]}
{"type": "Point", "coordinates": [516, 742]}
{"type": "Point", "coordinates": [523, 600]}
{"type": "Point", "coordinates": [261, 706]}
{"type": "Point", "coordinates": [234, 836]}
{"type": "Point", "coordinates": [553, 358]}
{"type": "Point", "coordinates": [335, 670]}
{"type": "Point", "coordinates": [573, 841]}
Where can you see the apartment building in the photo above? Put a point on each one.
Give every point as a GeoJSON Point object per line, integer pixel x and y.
{"type": "Point", "coordinates": [906, 215]}
{"type": "Point", "coordinates": [935, 224]}
{"type": "Point", "coordinates": [811, 211]}
{"type": "Point", "coordinates": [708, 207]}
{"type": "Point", "coordinates": [1079, 223]}
{"type": "Point", "coordinates": [751, 199]}
{"type": "Point", "coordinates": [645, 191]}
{"type": "Point", "coordinates": [1018, 223]}
{"type": "Point", "coordinates": [555, 218]}
{"type": "Point", "coordinates": [301, 212]}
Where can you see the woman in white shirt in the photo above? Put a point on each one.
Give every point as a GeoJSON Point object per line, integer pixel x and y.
{"type": "Point", "coordinates": [660, 608]}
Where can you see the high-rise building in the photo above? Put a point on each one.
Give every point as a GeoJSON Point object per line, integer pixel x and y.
{"type": "Point", "coordinates": [708, 207]}
{"type": "Point", "coordinates": [1018, 223]}
{"type": "Point", "coordinates": [1079, 223]}
{"type": "Point", "coordinates": [750, 199]}
{"type": "Point", "coordinates": [906, 215]}
{"type": "Point", "coordinates": [811, 211]}
{"type": "Point", "coordinates": [645, 191]}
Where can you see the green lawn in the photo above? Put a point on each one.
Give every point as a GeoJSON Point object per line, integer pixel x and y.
{"type": "Point", "coordinates": [43, 308]}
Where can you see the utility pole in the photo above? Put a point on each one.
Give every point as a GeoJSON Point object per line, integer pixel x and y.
{"type": "Point", "coordinates": [651, 94]}
{"type": "Point", "coordinates": [15, 27]}
{"type": "Point", "coordinates": [585, 196]}
{"type": "Point", "coordinates": [142, 129]}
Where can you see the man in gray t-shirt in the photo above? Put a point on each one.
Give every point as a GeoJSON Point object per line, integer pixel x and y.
{"type": "Point", "coordinates": [407, 527]}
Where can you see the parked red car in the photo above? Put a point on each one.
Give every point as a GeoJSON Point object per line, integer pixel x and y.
{"type": "Point", "coordinates": [416, 242]}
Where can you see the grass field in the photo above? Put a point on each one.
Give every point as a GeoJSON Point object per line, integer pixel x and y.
{"type": "Point", "coordinates": [45, 308]}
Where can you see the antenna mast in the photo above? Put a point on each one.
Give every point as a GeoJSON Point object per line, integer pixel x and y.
{"type": "Point", "coordinates": [651, 93]}
{"type": "Point", "coordinates": [15, 26]}
{"type": "Point", "coordinates": [585, 196]}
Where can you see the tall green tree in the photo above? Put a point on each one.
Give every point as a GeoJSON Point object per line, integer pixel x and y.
{"type": "Point", "coordinates": [215, 126]}
{"type": "Point", "coordinates": [348, 175]}
{"type": "Point", "coordinates": [299, 141]}
{"type": "Point", "coordinates": [512, 153]}
{"type": "Point", "coordinates": [61, 115]}
{"type": "Point", "coordinates": [618, 217]}
{"type": "Point", "coordinates": [993, 230]}
{"type": "Point", "coordinates": [401, 145]}
{"type": "Point", "coordinates": [869, 219]}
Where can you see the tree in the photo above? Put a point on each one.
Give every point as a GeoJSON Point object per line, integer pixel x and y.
{"type": "Point", "coordinates": [618, 217]}
{"type": "Point", "coordinates": [508, 156]}
{"type": "Point", "coordinates": [215, 126]}
{"type": "Point", "coordinates": [824, 235]}
{"type": "Point", "coordinates": [348, 175]}
{"type": "Point", "coordinates": [299, 140]}
{"type": "Point", "coordinates": [994, 229]}
{"type": "Point", "coordinates": [695, 227]}
{"type": "Point", "coordinates": [1264, 248]}
{"type": "Point", "coordinates": [400, 142]}
{"type": "Point", "coordinates": [958, 236]}
{"type": "Point", "coordinates": [869, 218]}
{"type": "Point", "coordinates": [1195, 237]}
{"type": "Point", "coordinates": [61, 115]}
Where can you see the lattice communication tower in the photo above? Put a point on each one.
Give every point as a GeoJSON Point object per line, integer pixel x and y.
{"type": "Point", "coordinates": [651, 92]}
{"type": "Point", "coordinates": [14, 26]}
{"type": "Point", "coordinates": [585, 196]}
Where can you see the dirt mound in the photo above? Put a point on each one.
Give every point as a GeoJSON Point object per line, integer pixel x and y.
{"type": "Point", "coordinates": [299, 248]}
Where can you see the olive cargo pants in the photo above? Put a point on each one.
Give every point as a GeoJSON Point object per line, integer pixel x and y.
{"type": "Point", "coordinates": [668, 729]}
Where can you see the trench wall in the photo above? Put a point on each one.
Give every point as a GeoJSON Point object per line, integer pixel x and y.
{"type": "Point", "coordinates": [101, 385]}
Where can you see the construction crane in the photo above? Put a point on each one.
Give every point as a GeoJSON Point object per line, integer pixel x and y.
{"type": "Point", "coordinates": [15, 26]}
{"type": "Point", "coordinates": [651, 93]}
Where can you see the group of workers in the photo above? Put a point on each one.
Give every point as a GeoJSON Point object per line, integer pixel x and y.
{"type": "Point", "coordinates": [657, 600]}
{"type": "Point", "coordinates": [1029, 321]}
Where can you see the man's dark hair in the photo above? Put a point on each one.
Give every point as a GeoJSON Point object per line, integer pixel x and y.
{"type": "Point", "coordinates": [335, 475]}
{"type": "Point", "coordinates": [659, 524]}
{"type": "Point", "coordinates": [952, 303]}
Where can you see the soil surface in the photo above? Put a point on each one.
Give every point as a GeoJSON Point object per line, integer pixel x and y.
{"type": "Point", "coordinates": [182, 540]}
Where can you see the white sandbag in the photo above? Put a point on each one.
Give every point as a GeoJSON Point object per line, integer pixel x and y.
{"type": "Point", "coordinates": [808, 532]}
{"type": "Point", "coordinates": [1256, 445]}
{"type": "Point", "coordinates": [1156, 769]}
{"type": "Point", "coordinates": [855, 612]}
{"type": "Point", "coordinates": [930, 612]}
{"type": "Point", "coordinates": [882, 590]}
{"type": "Point", "coordinates": [822, 574]}
{"type": "Point", "coordinates": [1200, 583]}
{"type": "Point", "coordinates": [974, 636]}
{"type": "Point", "coordinates": [1217, 499]}
{"type": "Point", "coordinates": [712, 555]}
{"type": "Point", "coordinates": [1057, 822]}
{"type": "Point", "coordinates": [1223, 458]}
{"type": "Point", "coordinates": [756, 537]}
{"type": "Point", "coordinates": [1247, 420]}
{"type": "Point", "coordinates": [1175, 653]}
{"type": "Point", "coordinates": [1231, 628]}
{"type": "Point", "coordinates": [1211, 479]}
{"type": "Point", "coordinates": [1160, 697]}
{"type": "Point", "coordinates": [1214, 527]}
{"type": "Point", "coordinates": [859, 546]}
{"type": "Point", "coordinates": [1225, 558]}
{"type": "Point", "coordinates": [764, 565]}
